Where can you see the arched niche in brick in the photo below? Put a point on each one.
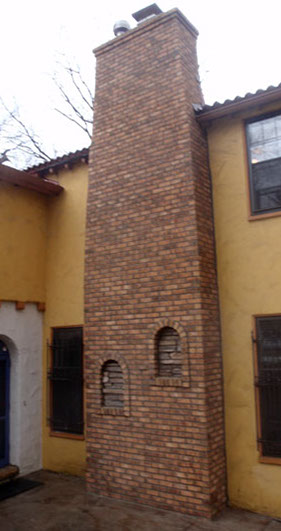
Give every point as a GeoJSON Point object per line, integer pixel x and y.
{"type": "Point", "coordinates": [112, 384]}
{"type": "Point", "coordinates": [168, 353]}
{"type": "Point", "coordinates": [169, 348]}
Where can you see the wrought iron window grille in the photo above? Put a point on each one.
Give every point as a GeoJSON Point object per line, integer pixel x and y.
{"type": "Point", "coordinates": [65, 381]}
{"type": "Point", "coordinates": [268, 384]}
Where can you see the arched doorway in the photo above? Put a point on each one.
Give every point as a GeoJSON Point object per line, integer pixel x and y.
{"type": "Point", "coordinates": [4, 403]}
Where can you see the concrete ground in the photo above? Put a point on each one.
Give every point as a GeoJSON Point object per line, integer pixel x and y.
{"type": "Point", "coordinates": [62, 504]}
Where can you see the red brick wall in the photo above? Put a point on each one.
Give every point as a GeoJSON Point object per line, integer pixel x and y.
{"type": "Point", "coordinates": [150, 262]}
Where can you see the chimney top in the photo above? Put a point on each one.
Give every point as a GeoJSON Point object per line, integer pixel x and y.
{"type": "Point", "coordinates": [146, 13]}
{"type": "Point", "coordinates": [121, 27]}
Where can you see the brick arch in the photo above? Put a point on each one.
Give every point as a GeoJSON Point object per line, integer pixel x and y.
{"type": "Point", "coordinates": [184, 378]}
{"type": "Point", "coordinates": [112, 384]}
{"type": "Point", "coordinates": [102, 409]}
{"type": "Point", "coordinates": [168, 352]}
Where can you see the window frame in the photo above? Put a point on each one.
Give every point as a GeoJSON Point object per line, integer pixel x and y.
{"type": "Point", "coordinates": [57, 433]}
{"type": "Point", "coordinates": [254, 213]}
{"type": "Point", "coordinates": [262, 458]}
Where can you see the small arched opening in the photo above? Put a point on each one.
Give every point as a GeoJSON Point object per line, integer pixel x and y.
{"type": "Point", "coordinates": [112, 385]}
{"type": "Point", "coordinates": [168, 353]}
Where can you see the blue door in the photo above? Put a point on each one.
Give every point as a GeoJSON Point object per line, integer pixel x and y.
{"type": "Point", "coordinates": [4, 404]}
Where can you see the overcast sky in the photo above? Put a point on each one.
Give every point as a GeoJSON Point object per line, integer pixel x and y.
{"type": "Point", "coordinates": [238, 49]}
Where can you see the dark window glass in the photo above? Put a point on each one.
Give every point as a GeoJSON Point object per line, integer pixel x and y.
{"type": "Point", "coordinates": [264, 150]}
{"type": "Point", "coordinates": [66, 378]}
{"type": "Point", "coordinates": [269, 383]}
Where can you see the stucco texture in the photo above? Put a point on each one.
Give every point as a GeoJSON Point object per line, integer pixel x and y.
{"type": "Point", "coordinates": [65, 297]}
{"type": "Point", "coordinates": [21, 331]}
{"type": "Point", "coordinates": [23, 229]}
{"type": "Point", "coordinates": [249, 265]}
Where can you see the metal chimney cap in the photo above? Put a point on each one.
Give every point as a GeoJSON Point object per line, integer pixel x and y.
{"type": "Point", "coordinates": [147, 12]}
{"type": "Point", "coordinates": [120, 27]}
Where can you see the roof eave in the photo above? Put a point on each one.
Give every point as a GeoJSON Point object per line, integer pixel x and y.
{"type": "Point", "coordinates": [25, 180]}
{"type": "Point", "coordinates": [238, 106]}
{"type": "Point", "coordinates": [64, 161]}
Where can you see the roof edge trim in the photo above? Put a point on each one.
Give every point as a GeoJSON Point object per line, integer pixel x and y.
{"type": "Point", "coordinates": [28, 181]}
{"type": "Point", "coordinates": [232, 107]}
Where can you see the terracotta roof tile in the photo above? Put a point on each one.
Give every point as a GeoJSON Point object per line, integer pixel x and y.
{"type": "Point", "coordinates": [57, 163]}
{"type": "Point", "coordinates": [250, 97]}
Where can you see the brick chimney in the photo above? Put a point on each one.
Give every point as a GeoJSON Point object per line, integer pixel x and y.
{"type": "Point", "coordinates": [155, 429]}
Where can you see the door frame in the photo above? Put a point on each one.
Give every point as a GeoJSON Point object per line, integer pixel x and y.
{"type": "Point", "coordinates": [5, 356]}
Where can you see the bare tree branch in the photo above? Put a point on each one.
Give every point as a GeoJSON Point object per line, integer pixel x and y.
{"type": "Point", "coordinates": [20, 144]}
{"type": "Point", "coordinates": [19, 136]}
{"type": "Point", "coordinates": [85, 129]}
{"type": "Point", "coordinates": [88, 103]}
{"type": "Point", "coordinates": [71, 105]}
{"type": "Point", "coordinates": [3, 156]}
{"type": "Point", "coordinates": [29, 134]}
{"type": "Point", "coordinates": [79, 107]}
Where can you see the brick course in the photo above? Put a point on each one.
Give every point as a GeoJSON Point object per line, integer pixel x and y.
{"type": "Point", "coordinates": [150, 259]}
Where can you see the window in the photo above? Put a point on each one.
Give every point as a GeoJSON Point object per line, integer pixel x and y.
{"type": "Point", "coordinates": [268, 384]}
{"type": "Point", "coordinates": [112, 385]}
{"type": "Point", "coordinates": [66, 381]}
{"type": "Point", "coordinates": [168, 353]}
{"type": "Point", "coordinates": [264, 153]}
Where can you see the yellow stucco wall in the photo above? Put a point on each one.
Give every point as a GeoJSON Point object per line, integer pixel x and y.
{"type": "Point", "coordinates": [23, 229]}
{"type": "Point", "coordinates": [65, 296]}
{"type": "Point", "coordinates": [249, 275]}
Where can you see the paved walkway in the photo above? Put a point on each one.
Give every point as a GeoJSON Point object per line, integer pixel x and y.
{"type": "Point", "coordinates": [62, 504]}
